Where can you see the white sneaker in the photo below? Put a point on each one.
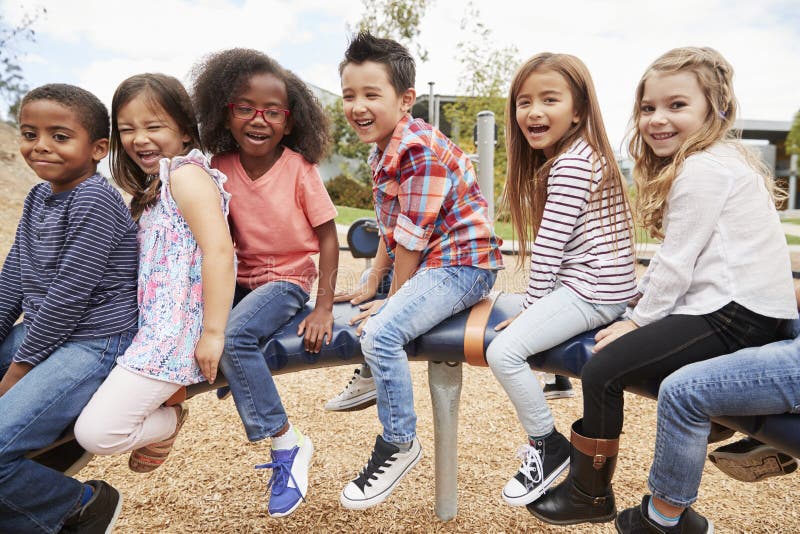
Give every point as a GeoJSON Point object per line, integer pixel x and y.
{"type": "Point", "coordinates": [358, 394]}
{"type": "Point", "coordinates": [381, 475]}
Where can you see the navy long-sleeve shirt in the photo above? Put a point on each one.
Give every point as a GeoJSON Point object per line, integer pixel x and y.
{"type": "Point", "coordinates": [72, 268]}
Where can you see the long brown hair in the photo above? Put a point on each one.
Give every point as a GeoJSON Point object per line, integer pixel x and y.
{"type": "Point", "coordinates": [654, 175]}
{"type": "Point", "coordinates": [168, 93]}
{"type": "Point", "coordinates": [525, 191]}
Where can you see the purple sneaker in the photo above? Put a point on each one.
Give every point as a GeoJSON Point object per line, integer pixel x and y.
{"type": "Point", "coordinates": [289, 482]}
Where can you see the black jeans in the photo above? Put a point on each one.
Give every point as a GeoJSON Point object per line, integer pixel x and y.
{"type": "Point", "coordinates": [654, 351]}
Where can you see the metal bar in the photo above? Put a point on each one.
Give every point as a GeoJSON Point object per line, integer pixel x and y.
{"type": "Point", "coordinates": [444, 381]}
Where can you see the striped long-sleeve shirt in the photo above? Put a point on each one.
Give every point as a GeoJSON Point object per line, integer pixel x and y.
{"type": "Point", "coordinates": [71, 270]}
{"type": "Point", "coordinates": [580, 242]}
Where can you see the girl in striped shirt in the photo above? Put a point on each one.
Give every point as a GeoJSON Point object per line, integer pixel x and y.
{"type": "Point", "coordinates": [565, 194]}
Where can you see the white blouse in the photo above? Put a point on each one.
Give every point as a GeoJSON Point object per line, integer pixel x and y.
{"type": "Point", "coordinates": [723, 242]}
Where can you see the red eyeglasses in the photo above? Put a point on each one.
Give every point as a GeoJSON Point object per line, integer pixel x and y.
{"type": "Point", "coordinates": [248, 113]}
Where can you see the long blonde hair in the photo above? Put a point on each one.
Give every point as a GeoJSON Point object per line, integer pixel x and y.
{"type": "Point", "coordinates": [525, 192]}
{"type": "Point", "coordinates": [654, 175]}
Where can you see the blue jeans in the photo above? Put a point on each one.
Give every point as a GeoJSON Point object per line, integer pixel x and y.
{"type": "Point", "coordinates": [426, 299]}
{"type": "Point", "coordinates": [549, 321]}
{"type": "Point", "coordinates": [254, 319]}
{"type": "Point", "coordinates": [752, 381]}
{"type": "Point", "coordinates": [33, 414]}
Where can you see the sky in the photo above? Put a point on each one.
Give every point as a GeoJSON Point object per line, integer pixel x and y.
{"type": "Point", "coordinates": [96, 44]}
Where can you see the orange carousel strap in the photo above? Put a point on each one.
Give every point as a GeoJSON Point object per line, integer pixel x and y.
{"type": "Point", "coordinates": [475, 330]}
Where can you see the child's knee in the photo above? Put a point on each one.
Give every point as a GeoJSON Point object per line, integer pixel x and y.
{"type": "Point", "coordinates": [380, 339]}
{"type": "Point", "coordinates": [90, 435]}
{"type": "Point", "coordinates": [496, 357]}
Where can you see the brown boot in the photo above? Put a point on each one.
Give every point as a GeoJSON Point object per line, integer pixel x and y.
{"type": "Point", "coordinates": [586, 495]}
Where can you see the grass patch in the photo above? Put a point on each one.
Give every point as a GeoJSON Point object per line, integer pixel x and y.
{"type": "Point", "coordinates": [791, 221]}
{"type": "Point", "coordinates": [347, 215]}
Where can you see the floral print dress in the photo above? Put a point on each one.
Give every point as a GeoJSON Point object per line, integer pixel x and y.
{"type": "Point", "coordinates": [170, 290]}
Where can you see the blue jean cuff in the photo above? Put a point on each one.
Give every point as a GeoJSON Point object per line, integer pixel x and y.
{"type": "Point", "coordinates": [660, 495]}
{"type": "Point", "coordinates": [408, 438]}
{"type": "Point", "coordinates": [266, 434]}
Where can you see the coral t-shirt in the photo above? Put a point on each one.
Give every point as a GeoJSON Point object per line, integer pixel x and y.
{"type": "Point", "coordinates": [272, 219]}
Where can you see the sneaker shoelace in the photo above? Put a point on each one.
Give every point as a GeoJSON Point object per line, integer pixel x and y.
{"type": "Point", "coordinates": [281, 474]}
{"type": "Point", "coordinates": [531, 467]}
{"type": "Point", "coordinates": [372, 468]}
{"type": "Point", "coordinates": [355, 377]}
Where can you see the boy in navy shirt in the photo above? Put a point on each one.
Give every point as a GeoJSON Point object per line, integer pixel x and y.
{"type": "Point", "coordinates": [72, 272]}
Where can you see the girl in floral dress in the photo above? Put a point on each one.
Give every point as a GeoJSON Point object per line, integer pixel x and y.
{"type": "Point", "coordinates": [186, 272]}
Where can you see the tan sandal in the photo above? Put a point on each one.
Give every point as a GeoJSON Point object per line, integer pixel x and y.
{"type": "Point", "coordinates": [150, 457]}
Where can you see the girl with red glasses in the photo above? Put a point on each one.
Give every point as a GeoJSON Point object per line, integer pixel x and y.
{"type": "Point", "coordinates": [267, 132]}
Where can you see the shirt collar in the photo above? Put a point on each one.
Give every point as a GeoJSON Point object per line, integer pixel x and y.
{"type": "Point", "coordinates": [389, 159]}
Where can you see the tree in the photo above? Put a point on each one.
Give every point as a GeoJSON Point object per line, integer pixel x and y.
{"type": "Point", "coordinates": [395, 19]}
{"type": "Point", "coordinates": [12, 81]}
{"type": "Point", "coordinates": [793, 139]}
{"type": "Point", "coordinates": [487, 73]}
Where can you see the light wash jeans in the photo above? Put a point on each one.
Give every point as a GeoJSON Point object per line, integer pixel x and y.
{"type": "Point", "coordinates": [547, 322]}
{"type": "Point", "coordinates": [752, 381]}
{"type": "Point", "coordinates": [256, 316]}
{"type": "Point", "coordinates": [425, 300]}
{"type": "Point", "coordinates": [33, 414]}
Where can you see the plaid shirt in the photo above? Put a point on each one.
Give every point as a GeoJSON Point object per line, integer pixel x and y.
{"type": "Point", "coordinates": [427, 199]}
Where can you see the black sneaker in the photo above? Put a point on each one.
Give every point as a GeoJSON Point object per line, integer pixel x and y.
{"type": "Point", "coordinates": [560, 389]}
{"type": "Point", "coordinates": [542, 463]}
{"type": "Point", "coordinates": [387, 466]}
{"type": "Point", "coordinates": [636, 521]}
{"type": "Point", "coordinates": [99, 515]}
{"type": "Point", "coordinates": [749, 460]}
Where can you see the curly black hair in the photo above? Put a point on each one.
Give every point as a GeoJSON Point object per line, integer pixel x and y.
{"type": "Point", "coordinates": [220, 77]}
{"type": "Point", "coordinates": [90, 112]}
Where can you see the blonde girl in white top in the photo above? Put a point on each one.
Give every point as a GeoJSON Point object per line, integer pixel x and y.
{"type": "Point", "coordinates": [720, 281]}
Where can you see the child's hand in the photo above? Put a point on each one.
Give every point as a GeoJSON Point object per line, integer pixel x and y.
{"type": "Point", "coordinates": [366, 310]}
{"type": "Point", "coordinates": [207, 352]}
{"type": "Point", "coordinates": [614, 331]}
{"type": "Point", "coordinates": [317, 325]}
{"type": "Point", "coordinates": [357, 296]}
{"type": "Point", "coordinates": [503, 324]}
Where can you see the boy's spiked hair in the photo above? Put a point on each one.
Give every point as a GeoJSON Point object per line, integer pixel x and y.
{"type": "Point", "coordinates": [399, 63]}
{"type": "Point", "coordinates": [90, 112]}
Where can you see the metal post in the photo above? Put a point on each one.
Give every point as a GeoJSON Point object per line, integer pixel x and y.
{"type": "Point", "coordinates": [431, 112]}
{"type": "Point", "coordinates": [792, 181]}
{"type": "Point", "coordinates": [444, 381]}
{"type": "Point", "coordinates": [485, 145]}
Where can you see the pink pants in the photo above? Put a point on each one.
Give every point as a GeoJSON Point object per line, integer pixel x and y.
{"type": "Point", "coordinates": [126, 413]}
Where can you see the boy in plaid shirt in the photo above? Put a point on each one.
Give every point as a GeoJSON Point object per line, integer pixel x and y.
{"type": "Point", "coordinates": [437, 238]}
